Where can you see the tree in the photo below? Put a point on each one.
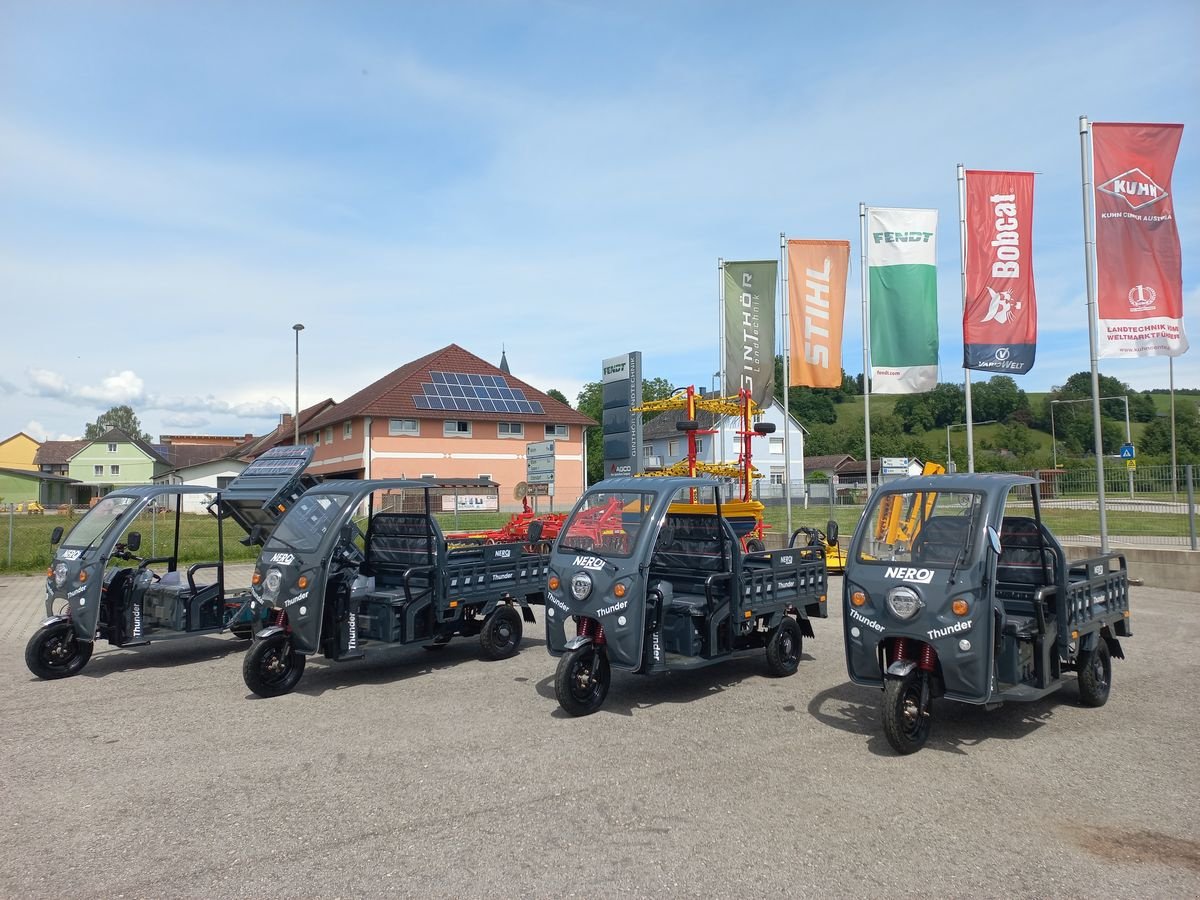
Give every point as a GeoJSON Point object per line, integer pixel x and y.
{"type": "Point", "coordinates": [559, 396]}
{"type": "Point", "coordinates": [997, 399]}
{"type": "Point", "coordinates": [122, 417]}
{"type": "Point", "coordinates": [1156, 439]}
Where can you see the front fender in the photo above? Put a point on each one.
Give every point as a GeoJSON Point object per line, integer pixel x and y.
{"type": "Point", "coordinates": [53, 620]}
{"type": "Point", "coordinates": [269, 631]}
{"type": "Point", "coordinates": [576, 642]}
{"type": "Point", "coordinates": [901, 667]}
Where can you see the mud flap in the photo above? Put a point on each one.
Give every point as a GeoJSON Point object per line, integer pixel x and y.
{"type": "Point", "coordinates": [1114, 646]}
{"type": "Point", "coordinates": [527, 614]}
{"type": "Point", "coordinates": [806, 628]}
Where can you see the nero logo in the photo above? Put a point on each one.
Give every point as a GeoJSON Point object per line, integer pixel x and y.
{"type": "Point", "coordinates": [935, 633]}
{"type": "Point", "coordinates": [786, 560]}
{"type": "Point", "coordinates": [859, 617]}
{"type": "Point", "coordinates": [920, 576]}
{"type": "Point", "coordinates": [1135, 187]}
{"type": "Point", "coordinates": [283, 559]}
{"type": "Point", "coordinates": [503, 554]}
{"type": "Point", "coordinates": [594, 563]}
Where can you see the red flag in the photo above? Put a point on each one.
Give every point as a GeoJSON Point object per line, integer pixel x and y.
{"type": "Point", "coordinates": [1139, 269]}
{"type": "Point", "coordinates": [1000, 315]}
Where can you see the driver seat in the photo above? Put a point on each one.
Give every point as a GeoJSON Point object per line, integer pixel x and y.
{"type": "Point", "coordinates": [940, 540]}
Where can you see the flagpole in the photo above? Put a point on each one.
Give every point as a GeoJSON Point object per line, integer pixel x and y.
{"type": "Point", "coordinates": [719, 454]}
{"type": "Point", "coordinates": [787, 377]}
{"type": "Point", "coordinates": [1171, 381]}
{"type": "Point", "coordinates": [862, 227]}
{"type": "Point", "coordinates": [1089, 269]}
{"type": "Point", "coordinates": [962, 246]}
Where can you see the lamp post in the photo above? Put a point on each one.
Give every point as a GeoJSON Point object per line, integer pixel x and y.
{"type": "Point", "coordinates": [1128, 431]}
{"type": "Point", "coordinates": [949, 461]}
{"type": "Point", "coordinates": [296, 421]}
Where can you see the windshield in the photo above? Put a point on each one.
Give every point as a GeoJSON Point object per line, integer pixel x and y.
{"type": "Point", "coordinates": [606, 522]}
{"type": "Point", "coordinates": [307, 523]}
{"type": "Point", "coordinates": [99, 520]}
{"type": "Point", "coordinates": [926, 528]}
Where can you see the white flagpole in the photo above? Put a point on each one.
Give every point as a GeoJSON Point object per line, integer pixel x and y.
{"type": "Point", "coordinates": [962, 245]}
{"type": "Point", "coordinates": [1171, 381]}
{"type": "Point", "coordinates": [787, 377]}
{"type": "Point", "coordinates": [1089, 269]}
{"type": "Point", "coordinates": [866, 324]}
{"type": "Point", "coordinates": [719, 454]}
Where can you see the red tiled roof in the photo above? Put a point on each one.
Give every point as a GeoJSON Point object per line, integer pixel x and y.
{"type": "Point", "coordinates": [283, 433]}
{"type": "Point", "coordinates": [57, 453]}
{"type": "Point", "coordinates": [392, 395]}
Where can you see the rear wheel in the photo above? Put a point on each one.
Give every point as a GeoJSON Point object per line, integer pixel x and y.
{"type": "Point", "coordinates": [783, 649]}
{"type": "Point", "coordinates": [754, 545]}
{"type": "Point", "coordinates": [55, 652]}
{"type": "Point", "coordinates": [501, 634]}
{"type": "Point", "coordinates": [272, 667]}
{"type": "Point", "coordinates": [1095, 676]}
{"type": "Point", "coordinates": [907, 729]}
{"type": "Point", "coordinates": [581, 682]}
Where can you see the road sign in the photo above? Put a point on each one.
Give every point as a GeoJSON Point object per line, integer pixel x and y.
{"type": "Point", "coordinates": [539, 462]}
{"type": "Point", "coordinates": [1131, 465]}
{"type": "Point", "coordinates": [893, 465]}
{"type": "Point", "coordinates": [1128, 452]}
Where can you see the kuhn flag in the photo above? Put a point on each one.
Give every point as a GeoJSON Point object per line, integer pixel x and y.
{"type": "Point", "coordinates": [750, 328]}
{"type": "Point", "coordinates": [901, 263]}
{"type": "Point", "coordinates": [1139, 275]}
{"type": "Point", "coordinates": [816, 306]}
{"type": "Point", "coordinates": [1000, 313]}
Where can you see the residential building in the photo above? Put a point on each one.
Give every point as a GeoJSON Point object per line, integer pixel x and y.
{"type": "Point", "coordinates": [20, 486]}
{"type": "Point", "coordinates": [18, 452]}
{"type": "Point", "coordinates": [115, 460]}
{"type": "Point", "coordinates": [448, 415]}
{"type": "Point", "coordinates": [53, 458]}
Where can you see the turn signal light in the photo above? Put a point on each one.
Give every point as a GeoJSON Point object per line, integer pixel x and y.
{"type": "Point", "coordinates": [302, 582]}
{"type": "Point", "coordinates": [619, 590]}
{"type": "Point", "coordinates": [453, 604]}
{"type": "Point", "coordinates": [748, 614]}
{"type": "Point", "coordinates": [50, 572]}
{"type": "Point", "coordinates": [858, 598]}
{"type": "Point", "coordinates": [960, 607]}
{"type": "Point", "coordinates": [281, 508]}
{"type": "Point", "coordinates": [82, 577]}
{"type": "Point", "coordinates": [553, 583]}
{"type": "Point", "coordinates": [256, 578]}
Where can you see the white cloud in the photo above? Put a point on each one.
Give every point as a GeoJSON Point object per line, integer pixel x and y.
{"type": "Point", "coordinates": [44, 383]}
{"type": "Point", "coordinates": [123, 388]}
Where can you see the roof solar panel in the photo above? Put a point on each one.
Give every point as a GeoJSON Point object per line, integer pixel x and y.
{"type": "Point", "coordinates": [465, 392]}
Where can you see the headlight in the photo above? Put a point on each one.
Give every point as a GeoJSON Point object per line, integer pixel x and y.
{"type": "Point", "coordinates": [903, 602]}
{"type": "Point", "coordinates": [60, 574]}
{"type": "Point", "coordinates": [271, 585]}
{"type": "Point", "coordinates": [581, 585]}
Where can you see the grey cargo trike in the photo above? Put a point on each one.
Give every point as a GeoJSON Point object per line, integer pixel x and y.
{"type": "Point", "coordinates": [360, 561]}
{"type": "Point", "coordinates": [956, 589]}
{"type": "Point", "coordinates": [98, 588]}
{"type": "Point", "coordinates": [652, 578]}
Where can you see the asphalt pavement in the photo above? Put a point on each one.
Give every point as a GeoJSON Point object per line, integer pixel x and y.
{"type": "Point", "coordinates": [155, 773]}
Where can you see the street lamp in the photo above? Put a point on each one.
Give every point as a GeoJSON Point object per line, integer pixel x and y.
{"type": "Point", "coordinates": [1128, 432]}
{"type": "Point", "coordinates": [297, 328]}
{"type": "Point", "coordinates": [949, 463]}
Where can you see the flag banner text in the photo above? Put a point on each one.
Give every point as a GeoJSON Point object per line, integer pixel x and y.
{"type": "Point", "coordinates": [817, 273]}
{"type": "Point", "coordinates": [750, 328]}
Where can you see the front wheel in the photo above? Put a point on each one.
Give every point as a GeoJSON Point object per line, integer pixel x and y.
{"type": "Point", "coordinates": [501, 634]}
{"type": "Point", "coordinates": [581, 682]}
{"type": "Point", "coordinates": [272, 667]}
{"type": "Point", "coordinates": [55, 652]}
{"type": "Point", "coordinates": [783, 649]}
{"type": "Point", "coordinates": [1095, 676]}
{"type": "Point", "coordinates": [906, 726]}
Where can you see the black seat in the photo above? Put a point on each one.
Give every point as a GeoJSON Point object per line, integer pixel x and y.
{"type": "Point", "coordinates": [1024, 559]}
{"type": "Point", "coordinates": [940, 540]}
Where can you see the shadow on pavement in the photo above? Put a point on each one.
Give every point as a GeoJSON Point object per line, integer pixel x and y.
{"type": "Point", "coordinates": [161, 655]}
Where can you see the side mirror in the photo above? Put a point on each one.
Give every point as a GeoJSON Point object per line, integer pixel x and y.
{"type": "Point", "coordinates": [133, 541]}
{"type": "Point", "coordinates": [764, 427]}
{"type": "Point", "coordinates": [56, 535]}
{"type": "Point", "coordinates": [535, 531]}
{"type": "Point", "coordinates": [349, 532]}
{"type": "Point", "coordinates": [831, 532]}
{"type": "Point", "coordinates": [993, 540]}
{"type": "Point", "coordinates": [687, 425]}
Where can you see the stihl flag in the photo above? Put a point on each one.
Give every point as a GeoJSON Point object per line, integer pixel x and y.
{"type": "Point", "coordinates": [1000, 315]}
{"type": "Point", "coordinates": [1139, 271]}
{"type": "Point", "coordinates": [816, 306]}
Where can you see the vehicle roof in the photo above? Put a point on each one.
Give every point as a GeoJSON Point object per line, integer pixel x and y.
{"type": "Point", "coordinates": [961, 482]}
{"type": "Point", "coordinates": [656, 483]}
{"type": "Point", "coordinates": [157, 490]}
{"type": "Point", "coordinates": [364, 486]}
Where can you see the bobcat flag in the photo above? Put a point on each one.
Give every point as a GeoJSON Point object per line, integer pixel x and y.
{"type": "Point", "coordinates": [1139, 275]}
{"type": "Point", "coordinates": [750, 328]}
{"type": "Point", "coordinates": [1000, 313]}
{"type": "Point", "coordinates": [816, 306]}
{"type": "Point", "coordinates": [901, 263]}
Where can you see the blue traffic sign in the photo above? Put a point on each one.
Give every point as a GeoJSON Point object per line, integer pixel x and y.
{"type": "Point", "coordinates": [1127, 452]}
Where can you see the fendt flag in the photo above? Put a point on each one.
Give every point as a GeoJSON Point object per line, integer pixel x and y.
{"type": "Point", "coordinates": [901, 262]}
{"type": "Point", "coordinates": [1139, 270]}
{"type": "Point", "coordinates": [1000, 313]}
{"type": "Point", "coordinates": [750, 328]}
{"type": "Point", "coordinates": [816, 307]}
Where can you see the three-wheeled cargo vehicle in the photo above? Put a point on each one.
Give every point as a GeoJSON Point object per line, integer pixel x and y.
{"type": "Point", "coordinates": [360, 561]}
{"type": "Point", "coordinates": [655, 579]}
{"type": "Point", "coordinates": [92, 591]}
{"type": "Point", "coordinates": [956, 588]}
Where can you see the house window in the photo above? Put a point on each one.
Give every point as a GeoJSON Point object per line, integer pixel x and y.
{"type": "Point", "coordinates": [112, 448]}
{"type": "Point", "coordinates": [699, 445]}
{"type": "Point", "coordinates": [114, 470]}
{"type": "Point", "coordinates": [316, 438]}
{"type": "Point", "coordinates": [776, 445]}
{"type": "Point", "coordinates": [647, 451]}
{"type": "Point", "coordinates": [459, 428]}
{"type": "Point", "coordinates": [428, 475]}
{"type": "Point", "coordinates": [554, 432]}
{"type": "Point", "coordinates": [672, 448]}
{"type": "Point", "coordinates": [329, 434]}
{"type": "Point", "coordinates": [511, 429]}
{"type": "Point", "coordinates": [403, 426]}
{"type": "Point", "coordinates": [347, 430]}
{"type": "Point", "coordinates": [777, 475]}
{"type": "Point", "coordinates": [98, 471]}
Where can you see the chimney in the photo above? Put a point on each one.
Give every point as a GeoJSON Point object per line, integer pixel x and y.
{"type": "Point", "coordinates": [248, 437]}
{"type": "Point", "coordinates": [285, 419]}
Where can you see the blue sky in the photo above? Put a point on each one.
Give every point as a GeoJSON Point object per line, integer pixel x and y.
{"type": "Point", "coordinates": [181, 182]}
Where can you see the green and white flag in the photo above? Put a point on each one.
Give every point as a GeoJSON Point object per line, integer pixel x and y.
{"type": "Point", "coordinates": [902, 264]}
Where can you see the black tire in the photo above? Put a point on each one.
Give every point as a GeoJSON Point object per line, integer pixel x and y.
{"type": "Point", "coordinates": [579, 689]}
{"type": "Point", "coordinates": [501, 634]}
{"type": "Point", "coordinates": [54, 652]}
{"type": "Point", "coordinates": [272, 668]}
{"type": "Point", "coordinates": [906, 731]}
{"type": "Point", "coordinates": [754, 545]}
{"type": "Point", "coordinates": [1095, 676]}
{"type": "Point", "coordinates": [783, 649]}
